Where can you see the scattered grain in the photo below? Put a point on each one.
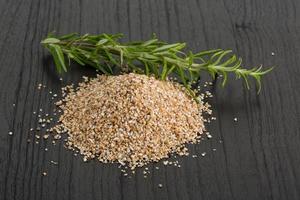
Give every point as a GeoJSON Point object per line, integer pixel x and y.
{"type": "Point", "coordinates": [57, 137]}
{"type": "Point", "coordinates": [46, 136]}
{"type": "Point", "coordinates": [53, 162]}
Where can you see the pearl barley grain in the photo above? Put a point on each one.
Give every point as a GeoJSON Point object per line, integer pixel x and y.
{"type": "Point", "coordinates": [130, 119]}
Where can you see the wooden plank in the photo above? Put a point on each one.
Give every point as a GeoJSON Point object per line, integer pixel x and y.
{"type": "Point", "coordinates": [256, 157]}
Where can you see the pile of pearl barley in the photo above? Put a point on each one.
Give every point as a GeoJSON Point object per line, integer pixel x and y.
{"type": "Point", "coordinates": [130, 119]}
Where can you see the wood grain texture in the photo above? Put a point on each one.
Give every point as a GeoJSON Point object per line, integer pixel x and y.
{"type": "Point", "coordinates": [258, 157]}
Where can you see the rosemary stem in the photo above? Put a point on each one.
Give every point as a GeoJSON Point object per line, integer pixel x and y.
{"type": "Point", "coordinates": [105, 52]}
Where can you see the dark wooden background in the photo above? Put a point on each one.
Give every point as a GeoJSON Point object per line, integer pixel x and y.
{"type": "Point", "coordinates": [258, 156]}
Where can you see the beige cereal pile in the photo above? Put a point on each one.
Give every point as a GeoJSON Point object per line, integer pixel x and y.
{"type": "Point", "coordinates": [131, 119]}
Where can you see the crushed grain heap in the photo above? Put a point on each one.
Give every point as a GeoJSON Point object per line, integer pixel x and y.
{"type": "Point", "coordinates": [131, 119]}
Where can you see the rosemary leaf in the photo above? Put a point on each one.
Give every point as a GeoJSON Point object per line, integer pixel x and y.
{"type": "Point", "coordinates": [153, 57]}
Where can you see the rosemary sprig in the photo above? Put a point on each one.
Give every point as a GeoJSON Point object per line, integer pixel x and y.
{"type": "Point", "coordinates": [153, 57]}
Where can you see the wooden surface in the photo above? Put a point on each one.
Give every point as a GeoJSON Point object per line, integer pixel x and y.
{"type": "Point", "coordinates": [257, 158]}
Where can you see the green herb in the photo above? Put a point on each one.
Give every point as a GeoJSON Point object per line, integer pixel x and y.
{"type": "Point", "coordinates": [153, 57]}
